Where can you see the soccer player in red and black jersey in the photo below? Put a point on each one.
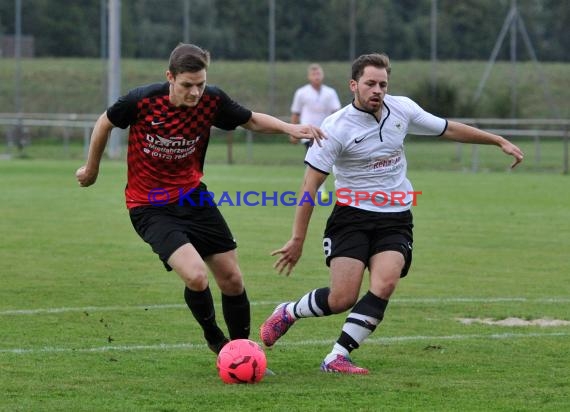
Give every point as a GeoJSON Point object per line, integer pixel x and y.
{"type": "Point", "coordinates": [168, 137]}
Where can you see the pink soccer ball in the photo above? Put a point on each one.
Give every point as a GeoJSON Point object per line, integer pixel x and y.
{"type": "Point", "coordinates": [241, 361]}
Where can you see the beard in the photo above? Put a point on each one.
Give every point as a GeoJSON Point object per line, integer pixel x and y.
{"type": "Point", "coordinates": [365, 105]}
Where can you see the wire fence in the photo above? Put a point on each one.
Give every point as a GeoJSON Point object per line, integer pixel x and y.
{"type": "Point", "coordinates": [61, 136]}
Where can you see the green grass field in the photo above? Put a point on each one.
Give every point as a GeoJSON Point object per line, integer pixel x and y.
{"type": "Point", "coordinates": [91, 321]}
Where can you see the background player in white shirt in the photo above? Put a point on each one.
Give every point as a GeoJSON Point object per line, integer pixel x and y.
{"type": "Point", "coordinates": [366, 153]}
{"type": "Point", "coordinates": [312, 103]}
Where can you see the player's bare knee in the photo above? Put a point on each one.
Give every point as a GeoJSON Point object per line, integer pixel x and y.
{"type": "Point", "coordinates": [385, 289]}
{"type": "Point", "coordinates": [196, 283]}
{"type": "Point", "coordinates": [340, 303]}
{"type": "Point", "coordinates": [231, 284]}
{"type": "Point", "coordinates": [195, 277]}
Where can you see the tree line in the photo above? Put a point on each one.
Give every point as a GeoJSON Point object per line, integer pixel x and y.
{"type": "Point", "coordinates": [304, 29]}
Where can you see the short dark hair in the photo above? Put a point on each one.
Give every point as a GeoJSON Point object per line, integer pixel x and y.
{"type": "Point", "coordinates": [378, 60]}
{"type": "Point", "coordinates": [188, 58]}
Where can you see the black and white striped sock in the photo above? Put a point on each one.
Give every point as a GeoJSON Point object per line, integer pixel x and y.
{"type": "Point", "coordinates": [360, 323]}
{"type": "Point", "coordinates": [313, 304]}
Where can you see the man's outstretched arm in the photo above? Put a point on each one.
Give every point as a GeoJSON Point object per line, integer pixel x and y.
{"type": "Point", "coordinates": [264, 123]}
{"type": "Point", "coordinates": [463, 133]}
{"type": "Point", "coordinates": [87, 175]}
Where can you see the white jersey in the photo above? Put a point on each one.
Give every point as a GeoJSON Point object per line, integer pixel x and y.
{"type": "Point", "coordinates": [313, 106]}
{"type": "Point", "coordinates": [367, 156]}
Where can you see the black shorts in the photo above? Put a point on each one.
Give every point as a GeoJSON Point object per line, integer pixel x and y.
{"type": "Point", "coordinates": [360, 234]}
{"type": "Point", "coordinates": [166, 228]}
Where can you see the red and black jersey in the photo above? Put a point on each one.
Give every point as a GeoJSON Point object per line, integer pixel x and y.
{"type": "Point", "coordinates": [167, 144]}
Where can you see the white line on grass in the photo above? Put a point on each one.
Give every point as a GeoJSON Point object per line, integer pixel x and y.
{"type": "Point", "coordinates": [401, 301]}
{"type": "Point", "coordinates": [90, 309]}
{"type": "Point", "coordinates": [191, 346]}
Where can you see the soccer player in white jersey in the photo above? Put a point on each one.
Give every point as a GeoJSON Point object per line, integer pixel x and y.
{"type": "Point", "coordinates": [312, 103]}
{"type": "Point", "coordinates": [365, 152]}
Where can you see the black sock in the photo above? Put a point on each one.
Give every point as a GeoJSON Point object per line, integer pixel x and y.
{"type": "Point", "coordinates": [237, 315]}
{"type": "Point", "coordinates": [362, 321]}
{"type": "Point", "coordinates": [201, 305]}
